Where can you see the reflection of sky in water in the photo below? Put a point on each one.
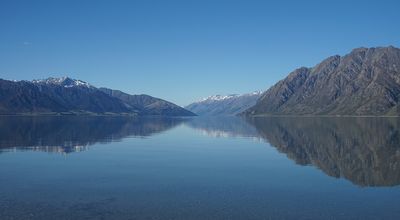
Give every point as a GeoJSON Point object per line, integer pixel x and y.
{"type": "Point", "coordinates": [176, 172]}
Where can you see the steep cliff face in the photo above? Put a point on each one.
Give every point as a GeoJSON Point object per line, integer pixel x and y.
{"type": "Point", "coordinates": [364, 82]}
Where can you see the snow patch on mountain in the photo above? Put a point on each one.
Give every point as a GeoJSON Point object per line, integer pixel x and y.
{"type": "Point", "coordinates": [218, 97]}
{"type": "Point", "coordinates": [227, 97]}
{"type": "Point", "coordinates": [66, 82]}
{"type": "Point", "coordinates": [224, 104]}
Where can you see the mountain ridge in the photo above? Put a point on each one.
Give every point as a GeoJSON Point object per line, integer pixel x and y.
{"type": "Point", "coordinates": [65, 95]}
{"type": "Point", "coordinates": [148, 105]}
{"type": "Point", "coordinates": [364, 82]}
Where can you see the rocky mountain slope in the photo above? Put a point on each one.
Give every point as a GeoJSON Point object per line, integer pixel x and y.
{"type": "Point", "coordinates": [70, 96]}
{"type": "Point", "coordinates": [148, 105]}
{"type": "Point", "coordinates": [55, 95]}
{"type": "Point", "coordinates": [364, 82]}
{"type": "Point", "coordinates": [224, 105]}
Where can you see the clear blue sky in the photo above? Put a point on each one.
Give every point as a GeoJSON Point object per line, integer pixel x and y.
{"type": "Point", "coordinates": [184, 50]}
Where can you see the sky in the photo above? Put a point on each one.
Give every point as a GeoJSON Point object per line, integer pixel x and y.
{"type": "Point", "coordinates": [185, 50]}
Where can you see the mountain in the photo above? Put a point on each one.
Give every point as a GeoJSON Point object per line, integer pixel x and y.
{"type": "Point", "coordinates": [62, 95]}
{"type": "Point", "coordinates": [70, 96]}
{"type": "Point", "coordinates": [148, 105]}
{"type": "Point", "coordinates": [224, 105]}
{"type": "Point", "coordinates": [363, 82]}
{"type": "Point", "coordinates": [65, 82]}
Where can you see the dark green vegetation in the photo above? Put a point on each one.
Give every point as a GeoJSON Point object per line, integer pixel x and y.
{"type": "Point", "coordinates": [364, 82]}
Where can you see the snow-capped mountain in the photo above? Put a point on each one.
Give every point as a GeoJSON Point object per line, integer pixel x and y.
{"type": "Point", "coordinates": [219, 97]}
{"type": "Point", "coordinates": [71, 96]}
{"type": "Point", "coordinates": [224, 104]}
{"type": "Point", "coordinates": [66, 82]}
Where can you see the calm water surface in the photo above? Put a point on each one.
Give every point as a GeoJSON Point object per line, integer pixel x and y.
{"type": "Point", "coordinates": [199, 168]}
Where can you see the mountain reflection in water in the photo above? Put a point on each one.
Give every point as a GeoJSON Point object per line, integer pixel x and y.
{"type": "Point", "coordinates": [69, 134]}
{"type": "Point", "coordinates": [365, 151]}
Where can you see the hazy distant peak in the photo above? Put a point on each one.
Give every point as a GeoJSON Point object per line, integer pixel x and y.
{"type": "Point", "coordinates": [218, 97]}
{"type": "Point", "coordinates": [224, 104]}
{"type": "Point", "coordinates": [259, 92]}
{"type": "Point", "coordinates": [226, 97]}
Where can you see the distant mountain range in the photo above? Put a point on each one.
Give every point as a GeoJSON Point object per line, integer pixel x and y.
{"type": "Point", "coordinates": [70, 96]}
{"type": "Point", "coordinates": [364, 82]}
{"type": "Point", "coordinates": [224, 105]}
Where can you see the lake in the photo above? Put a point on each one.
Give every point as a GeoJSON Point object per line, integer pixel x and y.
{"type": "Point", "coordinates": [75, 167]}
